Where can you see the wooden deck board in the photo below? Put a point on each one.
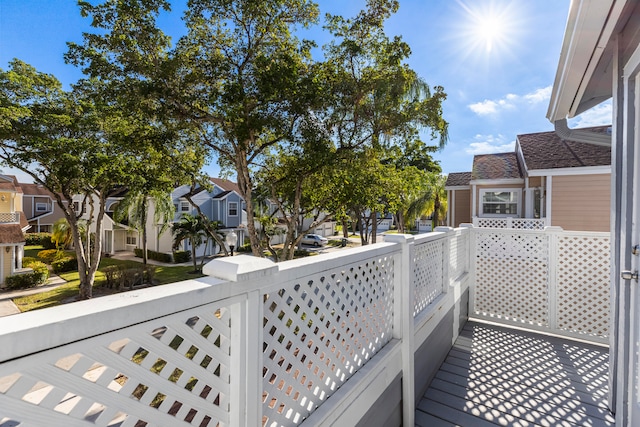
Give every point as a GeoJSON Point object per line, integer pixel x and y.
{"type": "Point", "coordinates": [500, 376]}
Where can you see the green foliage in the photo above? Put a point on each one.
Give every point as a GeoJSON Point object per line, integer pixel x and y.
{"type": "Point", "coordinates": [28, 260]}
{"type": "Point", "coordinates": [122, 277]}
{"type": "Point", "coordinates": [156, 256]}
{"type": "Point", "coordinates": [50, 255]}
{"type": "Point", "coordinates": [65, 264]}
{"type": "Point", "coordinates": [181, 256]}
{"type": "Point", "coordinates": [38, 277]}
{"type": "Point", "coordinates": [37, 239]}
{"type": "Point", "coordinates": [246, 248]}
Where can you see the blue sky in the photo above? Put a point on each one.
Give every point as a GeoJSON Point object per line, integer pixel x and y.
{"type": "Point", "coordinates": [496, 60]}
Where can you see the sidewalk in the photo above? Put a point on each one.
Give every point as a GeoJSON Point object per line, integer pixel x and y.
{"type": "Point", "coordinates": [7, 307]}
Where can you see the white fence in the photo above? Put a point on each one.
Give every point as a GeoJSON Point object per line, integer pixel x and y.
{"type": "Point", "coordinates": [515, 223]}
{"type": "Point", "coordinates": [551, 280]}
{"type": "Point", "coordinates": [269, 344]}
{"type": "Point", "coordinates": [261, 344]}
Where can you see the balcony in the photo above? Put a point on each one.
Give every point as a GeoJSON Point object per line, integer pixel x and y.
{"type": "Point", "coordinates": [346, 338]}
{"type": "Point", "coordinates": [9, 217]}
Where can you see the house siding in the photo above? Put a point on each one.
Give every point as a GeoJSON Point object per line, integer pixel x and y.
{"type": "Point", "coordinates": [6, 265]}
{"type": "Point", "coordinates": [581, 202]}
{"type": "Point", "coordinates": [461, 207]}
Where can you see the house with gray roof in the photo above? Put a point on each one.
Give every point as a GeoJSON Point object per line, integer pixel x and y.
{"type": "Point", "coordinates": [555, 181]}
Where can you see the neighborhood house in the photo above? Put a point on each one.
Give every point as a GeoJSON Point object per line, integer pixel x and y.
{"type": "Point", "coordinates": [550, 180]}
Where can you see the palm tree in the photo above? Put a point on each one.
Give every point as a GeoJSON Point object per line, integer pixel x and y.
{"type": "Point", "coordinates": [135, 208]}
{"type": "Point", "coordinates": [437, 206]}
{"type": "Point", "coordinates": [61, 234]}
{"type": "Point", "coordinates": [191, 228]}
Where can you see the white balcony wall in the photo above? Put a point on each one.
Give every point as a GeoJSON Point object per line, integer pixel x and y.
{"type": "Point", "coordinates": [346, 338]}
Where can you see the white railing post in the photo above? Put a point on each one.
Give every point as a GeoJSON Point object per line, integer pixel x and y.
{"type": "Point", "coordinates": [552, 233]}
{"type": "Point", "coordinates": [509, 222]}
{"type": "Point", "coordinates": [246, 387]}
{"type": "Point", "coordinates": [446, 259]}
{"type": "Point", "coordinates": [403, 323]}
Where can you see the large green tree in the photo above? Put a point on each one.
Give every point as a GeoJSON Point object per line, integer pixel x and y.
{"type": "Point", "coordinates": [67, 142]}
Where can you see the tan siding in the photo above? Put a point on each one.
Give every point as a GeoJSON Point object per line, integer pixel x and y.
{"type": "Point", "coordinates": [581, 202]}
{"type": "Point", "coordinates": [6, 264]}
{"type": "Point", "coordinates": [462, 209]}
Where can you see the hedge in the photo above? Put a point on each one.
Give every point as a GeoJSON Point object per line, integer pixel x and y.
{"type": "Point", "coordinates": [49, 255]}
{"type": "Point", "coordinates": [65, 264]}
{"type": "Point", "coordinates": [29, 280]}
{"type": "Point", "coordinates": [39, 239]}
{"type": "Point", "coordinates": [156, 256]}
{"type": "Point", "coordinates": [120, 277]}
{"type": "Point", "coordinates": [181, 256]}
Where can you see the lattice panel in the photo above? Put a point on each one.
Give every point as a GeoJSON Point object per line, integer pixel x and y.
{"type": "Point", "coordinates": [583, 284]}
{"type": "Point", "coordinates": [459, 255]}
{"type": "Point", "coordinates": [492, 222]}
{"type": "Point", "coordinates": [172, 371]}
{"type": "Point", "coordinates": [427, 278]}
{"type": "Point", "coordinates": [528, 223]}
{"type": "Point", "coordinates": [318, 332]}
{"type": "Point", "coordinates": [512, 273]}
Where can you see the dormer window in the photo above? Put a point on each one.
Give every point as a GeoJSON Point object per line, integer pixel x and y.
{"type": "Point", "coordinates": [42, 207]}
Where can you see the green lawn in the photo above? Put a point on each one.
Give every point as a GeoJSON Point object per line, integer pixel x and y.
{"type": "Point", "coordinates": [68, 291]}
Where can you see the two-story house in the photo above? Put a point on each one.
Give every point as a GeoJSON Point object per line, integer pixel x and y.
{"type": "Point", "coordinates": [556, 181]}
{"type": "Point", "coordinates": [13, 224]}
{"type": "Point", "coordinates": [40, 208]}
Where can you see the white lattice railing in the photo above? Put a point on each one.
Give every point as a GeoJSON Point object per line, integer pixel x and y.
{"type": "Point", "coordinates": [9, 217]}
{"type": "Point", "coordinates": [514, 223]}
{"type": "Point", "coordinates": [261, 344]}
{"type": "Point", "coordinates": [552, 280]}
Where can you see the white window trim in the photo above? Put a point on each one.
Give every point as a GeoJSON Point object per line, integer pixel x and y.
{"type": "Point", "coordinates": [183, 205]}
{"type": "Point", "coordinates": [229, 209]}
{"type": "Point", "coordinates": [518, 192]}
{"type": "Point", "coordinates": [41, 204]}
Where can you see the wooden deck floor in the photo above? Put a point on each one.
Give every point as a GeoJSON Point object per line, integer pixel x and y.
{"type": "Point", "coordinates": [500, 376]}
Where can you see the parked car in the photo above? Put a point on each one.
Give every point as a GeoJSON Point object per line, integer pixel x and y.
{"type": "Point", "coordinates": [314, 240]}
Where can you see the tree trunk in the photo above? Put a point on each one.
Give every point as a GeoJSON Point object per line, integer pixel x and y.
{"type": "Point", "coordinates": [245, 186]}
{"type": "Point", "coordinates": [345, 229]}
{"type": "Point", "coordinates": [374, 226]}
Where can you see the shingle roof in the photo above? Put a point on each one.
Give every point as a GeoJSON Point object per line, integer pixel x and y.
{"type": "Point", "coordinates": [546, 150]}
{"type": "Point", "coordinates": [496, 166]}
{"type": "Point", "coordinates": [11, 233]}
{"type": "Point", "coordinates": [455, 179]}
{"type": "Point", "coordinates": [226, 185]}
{"type": "Point", "coordinates": [35, 190]}
{"type": "Point", "coordinates": [221, 195]}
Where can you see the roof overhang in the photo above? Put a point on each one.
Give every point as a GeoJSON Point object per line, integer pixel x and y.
{"type": "Point", "coordinates": [584, 77]}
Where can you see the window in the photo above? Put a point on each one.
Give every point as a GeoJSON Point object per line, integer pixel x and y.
{"type": "Point", "coordinates": [500, 202]}
{"type": "Point", "coordinates": [76, 206]}
{"type": "Point", "coordinates": [233, 208]}
{"type": "Point", "coordinates": [131, 239]}
{"type": "Point", "coordinates": [42, 207]}
{"type": "Point", "coordinates": [185, 207]}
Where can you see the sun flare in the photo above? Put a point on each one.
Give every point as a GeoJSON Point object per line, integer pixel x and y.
{"type": "Point", "coordinates": [489, 26]}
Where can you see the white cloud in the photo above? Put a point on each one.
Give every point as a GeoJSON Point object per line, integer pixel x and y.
{"type": "Point", "coordinates": [597, 116]}
{"type": "Point", "coordinates": [484, 108]}
{"type": "Point", "coordinates": [487, 144]}
{"type": "Point", "coordinates": [510, 101]}
{"type": "Point", "coordinates": [540, 95]}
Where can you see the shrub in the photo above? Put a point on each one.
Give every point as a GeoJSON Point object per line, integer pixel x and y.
{"type": "Point", "coordinates": [181, 256]}
{"type": "Point", "coordinates": [156, 256]}
{"type": "Point", "coordinates": [120, 277]}
{"type": "Point", "coordinates": [244, 248]}
{"type": "Point", "coordinates": [28, 260]}
{"type": "Point", "coordinates": [48, 255]}
{"type": "Point", "coordinates": [36, 265]}
{"type": "Point", "coordinates": [29, 280]}
{"type": "Point", "coordinates": [64, 264]}
{"type": "Point", "coordinates": [47, 243]}
{"type": "Point", "coordinates": [37, 239]}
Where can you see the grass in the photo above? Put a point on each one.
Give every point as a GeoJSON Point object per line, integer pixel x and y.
{"type": "Point", "coordinates": [68, 291]}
